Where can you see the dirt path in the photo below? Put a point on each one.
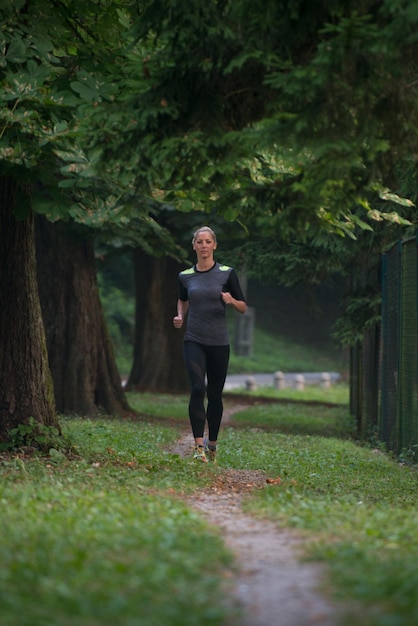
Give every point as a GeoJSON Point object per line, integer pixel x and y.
{"type": "Point", "coordinates": [271, 584]}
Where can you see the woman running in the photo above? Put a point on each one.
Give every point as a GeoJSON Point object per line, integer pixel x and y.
{"type": "Point", "coordinates": [204, 292]}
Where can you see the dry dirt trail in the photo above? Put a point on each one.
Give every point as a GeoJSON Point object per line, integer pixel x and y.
{"type": "Point", "coordinates": [271, 584]}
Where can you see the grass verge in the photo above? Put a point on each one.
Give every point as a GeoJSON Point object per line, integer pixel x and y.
{"type": "Point", "coordinates": [275, 352]}
{"type": "Point", "coordinates": [104, 537]}
{"type": "Point", "coordinates": [355, 505]}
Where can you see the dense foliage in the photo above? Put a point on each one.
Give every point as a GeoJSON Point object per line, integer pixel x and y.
{"type": "Point", "coordinates": [298, 113]}
{"type": "Point", "coordinates": [286, 111]}
{"type": "Point", "coordinates": [295, 120]}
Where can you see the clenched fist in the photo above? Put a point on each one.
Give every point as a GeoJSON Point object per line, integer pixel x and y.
{"type": "Point", "coordinates": [178, 321]}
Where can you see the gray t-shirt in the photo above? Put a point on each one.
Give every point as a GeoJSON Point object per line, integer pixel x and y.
{"type": "Point", "coordinates": [206, 319]}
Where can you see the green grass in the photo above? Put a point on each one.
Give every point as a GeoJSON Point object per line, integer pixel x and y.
{"type": "Point", "coordinates": [102, 538]}
{"type": "Point", "coordinates": [358, 510]}
{"type": "Point", "coordinates": [338, 393]}
{"type": "Point", "coordinates": [105, 537]}
{"type": "Point", "coordinates": [164, 405]}
{"type": "Point", "coordinates": [355, 505]}
{"type": "Point", "coordinates": [297, 418]}
{"type": "Point", "coordinates": [273, 353]}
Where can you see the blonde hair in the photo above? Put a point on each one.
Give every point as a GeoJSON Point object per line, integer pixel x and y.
{"type": "Point", "coordinates": [201, 230]}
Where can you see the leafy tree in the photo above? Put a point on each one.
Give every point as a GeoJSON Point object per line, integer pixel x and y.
{"type": "Point", "coordinates": [51, 84]}
{"type": "Point", "coordinates": [282, 109]}
{"type": "Point", "coordinates": [287, 116]}
{"type": "Point", "coordinates": [27, 116]}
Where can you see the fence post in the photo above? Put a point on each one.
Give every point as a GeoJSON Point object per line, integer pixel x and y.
{"type": "Point", "coordinates": [325, 380]}
{"type": "Point", "coordinates": [299, 382]}
{"type": "Point", "coordinates": [250, 384]}
{"type": "Point", "coordinates": [278, 380]}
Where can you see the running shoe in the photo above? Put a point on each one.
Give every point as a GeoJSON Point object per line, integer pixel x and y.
{"type": "Point", "coordinates": [199, 454]}
{"type": "Point", "coordinates": [210, 452]}
{"type": "Point", "coordinates": [211, 455]}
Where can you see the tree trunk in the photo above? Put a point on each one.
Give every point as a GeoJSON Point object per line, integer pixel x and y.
{"type": "Point", "coordinates": [158, 352]}
{"type": "Point", "coordinates": [86, 380]}
{"type": "Point", "coordinates": [26, 388]}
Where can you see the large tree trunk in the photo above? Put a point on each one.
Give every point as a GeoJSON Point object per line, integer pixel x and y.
{"type": "Point", "coordinates": [26, 388]}
{"type": "Point", "coordinates": [158, 353]}
{"type": "Point", "coordinates": [86, 380]}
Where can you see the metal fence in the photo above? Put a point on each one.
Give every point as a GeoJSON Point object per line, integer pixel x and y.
{"type": "Point", "coordinates": [365, 357]}
{"type": "Point", "coordinates": [364, 383]}
{"type": "Point", "coordinates": [398, 421]}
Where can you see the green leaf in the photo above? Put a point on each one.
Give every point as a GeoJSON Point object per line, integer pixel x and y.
{"type": "Point", "coordinates": [360, 223]}
{"type": "Point", "coordinates": [388, 195]}
{"type": "Point", "coordinates": [67, 183]}
{"type": "Point", "coordinates": [71, 156]}
{"type": "Point", "coordinates": [92, 88]}
{"type": "Point", "coordinates": [85, 91]}
{"type": "Point", "coordinates": [16, 52]}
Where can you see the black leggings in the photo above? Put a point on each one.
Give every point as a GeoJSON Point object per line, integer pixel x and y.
{"type": "Point", "coordinates": [210, 362]}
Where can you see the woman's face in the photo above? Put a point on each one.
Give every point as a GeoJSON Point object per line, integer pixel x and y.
{"type": "Point", "coordinates": [204, 244]}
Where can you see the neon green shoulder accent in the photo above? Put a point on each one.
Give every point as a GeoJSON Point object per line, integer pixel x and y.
{"type": "Point", "coordinates": [224, 268]}
{"type": "Point", "coordinates": [190, 270]}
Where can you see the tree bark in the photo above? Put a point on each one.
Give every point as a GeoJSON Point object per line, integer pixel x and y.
{"type": "Point", "coordinates": [86, 379]}
{"type": "Point", "coordinates": [158, 348]}
{"type": "Point", "coordinates": [26, 388]}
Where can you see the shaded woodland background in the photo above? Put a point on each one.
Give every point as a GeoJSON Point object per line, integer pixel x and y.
{"type": "Point", "coordinates": [300, 315]}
